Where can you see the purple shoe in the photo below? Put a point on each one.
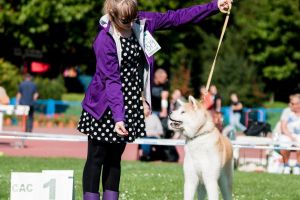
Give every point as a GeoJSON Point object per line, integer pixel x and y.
{"type": "Point", "coordinates": [110, 195]}
{"type": "Point", "coordinates": [91, 196]}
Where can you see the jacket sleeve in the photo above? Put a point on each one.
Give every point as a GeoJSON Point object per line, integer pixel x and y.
{"type": "Point", "coordinates": [107, 62]}
{"type": "Point", "coordinates": [175, 18]}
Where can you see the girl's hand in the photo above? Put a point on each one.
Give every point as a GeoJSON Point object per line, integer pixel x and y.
{"type": "Point", "coordinates": [224, 5]}
{"type": "Point", "coordinates": [120, 129]}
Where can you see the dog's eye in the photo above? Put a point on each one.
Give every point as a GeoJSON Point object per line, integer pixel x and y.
{"type": "Point", "coordinates": [182, 112]}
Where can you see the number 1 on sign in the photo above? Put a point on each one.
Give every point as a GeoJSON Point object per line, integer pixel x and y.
{"type": "Point", "coordinates": [51, 184]}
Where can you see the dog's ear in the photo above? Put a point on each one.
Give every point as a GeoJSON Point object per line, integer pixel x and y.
{"type": "Point", "coordinates": [194, 102]}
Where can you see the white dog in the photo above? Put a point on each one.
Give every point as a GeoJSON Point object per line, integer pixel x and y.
{"type": "Point", "coordinates": [208, 154]}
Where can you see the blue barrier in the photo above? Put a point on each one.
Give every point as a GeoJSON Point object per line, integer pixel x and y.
{"type": "Point", "coordinates": [50, 107]}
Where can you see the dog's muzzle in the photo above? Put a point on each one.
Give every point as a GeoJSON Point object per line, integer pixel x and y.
{"type": "Point", "coordinates": [174, 123]}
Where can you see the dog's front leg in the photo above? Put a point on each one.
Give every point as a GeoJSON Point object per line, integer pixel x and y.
{"type": "Point", "coordinates": [190, 187]}
{"type": "Point", "coordinates": [211, 186]}
{"type": "Point", "coordinates": [191, 179]}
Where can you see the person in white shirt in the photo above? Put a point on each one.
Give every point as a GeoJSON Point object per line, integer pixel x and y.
{"type": "Point", "coordinates": [290, 129]}
{"type": "Point", "coordinates": [153, 128]}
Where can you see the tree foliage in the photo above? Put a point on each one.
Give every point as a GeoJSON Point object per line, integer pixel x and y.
{"type": "Point", "coordinates": [9, 77]}
{"type": "Point", "coordinates": [272, 34]}
{"type": "Point", "coordinates": [260, 45]}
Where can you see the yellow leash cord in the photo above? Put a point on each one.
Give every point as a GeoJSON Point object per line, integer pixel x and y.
{"type": "Point", "coordinates": [220, 42]}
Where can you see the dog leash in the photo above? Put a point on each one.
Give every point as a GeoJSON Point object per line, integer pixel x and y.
{"type": "Point", "coordinates": [220, 42]}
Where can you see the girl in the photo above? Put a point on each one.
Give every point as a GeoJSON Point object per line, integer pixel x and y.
{"type": "Point", "coordinates": [112, 108]}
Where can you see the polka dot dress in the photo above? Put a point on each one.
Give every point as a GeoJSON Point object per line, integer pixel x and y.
{"type": "Point", "coordinates": [132, 64]}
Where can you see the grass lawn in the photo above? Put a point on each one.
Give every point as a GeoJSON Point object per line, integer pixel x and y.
{"type": "Point", "coordinates": [156, 181]}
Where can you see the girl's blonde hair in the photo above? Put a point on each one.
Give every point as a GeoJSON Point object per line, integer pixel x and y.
{"type": "Point", "coordinates": [116, 9]}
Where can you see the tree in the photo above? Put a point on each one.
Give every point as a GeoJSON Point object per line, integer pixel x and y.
{"type": "Point", "coordinates": [9, 77]}
{"type": "Point", "coordinates": [271, 32]}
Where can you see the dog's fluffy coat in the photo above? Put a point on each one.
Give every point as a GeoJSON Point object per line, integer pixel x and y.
{"type": "Point", "coordinates": [208, 154]}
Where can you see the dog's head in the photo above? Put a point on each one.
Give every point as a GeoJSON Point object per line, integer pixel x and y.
{"type": "Point", "coordinates": [190, 118]}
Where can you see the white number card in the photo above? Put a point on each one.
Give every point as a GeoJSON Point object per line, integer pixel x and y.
{"type": "Point", "coordinates": [25, 185]}
{"type": "Point", "coordinates": [151, 46]}
{"type": "Point", "coordinates": [48, 185]}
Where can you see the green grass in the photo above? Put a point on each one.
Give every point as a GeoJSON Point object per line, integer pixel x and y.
{"type": "Point", "coordinates": [72, 97]}
{"type": "Point", "coordinates": [275, 104]}
{"type": "Point", "coordinates": [156, 181]}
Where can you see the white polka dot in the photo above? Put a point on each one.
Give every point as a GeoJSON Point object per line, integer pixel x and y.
{"type": "Point", "coordinates": [98, 138]}
{"type": "Point", "coordinates": [102, 134]}
{"type": "Point", "coordinates": [103, 125]}
{"type": "Point", "coordinates": [84, 113]}
{"type": "Point", "coordinates": [107, 130]}
{"type": "Point", "coordinates": [96, 124]}
{"type": "Point", "coordinates": [114, 139]}
{"type": "Point", "coordinates": [87, 129]}
{"type": "Point", "coordinates": [106, 139]}
{"type": "Point", "coordinates": [95, 133]}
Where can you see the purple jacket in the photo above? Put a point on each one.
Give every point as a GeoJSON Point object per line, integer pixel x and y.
{"type": "Point", "coordinates": [105, 89]}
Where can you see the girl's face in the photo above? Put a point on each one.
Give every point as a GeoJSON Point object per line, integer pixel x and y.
{"type": "Point", "coordinates": [124, 14]}
{"type": "Point", "coordinates": [124, 24]}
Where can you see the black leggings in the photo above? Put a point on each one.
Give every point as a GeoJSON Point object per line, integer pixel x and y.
{"type": "Point", "coordinates": [108, 156]}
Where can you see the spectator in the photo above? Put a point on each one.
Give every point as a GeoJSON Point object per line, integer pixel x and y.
{"type": "Point", "coordinates": [160, 93]}
{"type": "Point", "coordinates": [236, 112]}
{"type": "Point", "coordinates": [159, 98]}
{"type": "Point", "coordinates": [216, 99]}
{"type": "Point", "coordinates": [4, 100]}
{"type": "Point", "coordinates": [206, 97]}
{"type": "Point", "coordinates": [176, 95]}
{"type": "Point", "coordinates": [27, 95]}
{"type": "Point", "coordinates": [215, 106]}
{"type": "Point", "coordinates": [154, 129]}
{"type": "Point", "coordinates": [290, 129]}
